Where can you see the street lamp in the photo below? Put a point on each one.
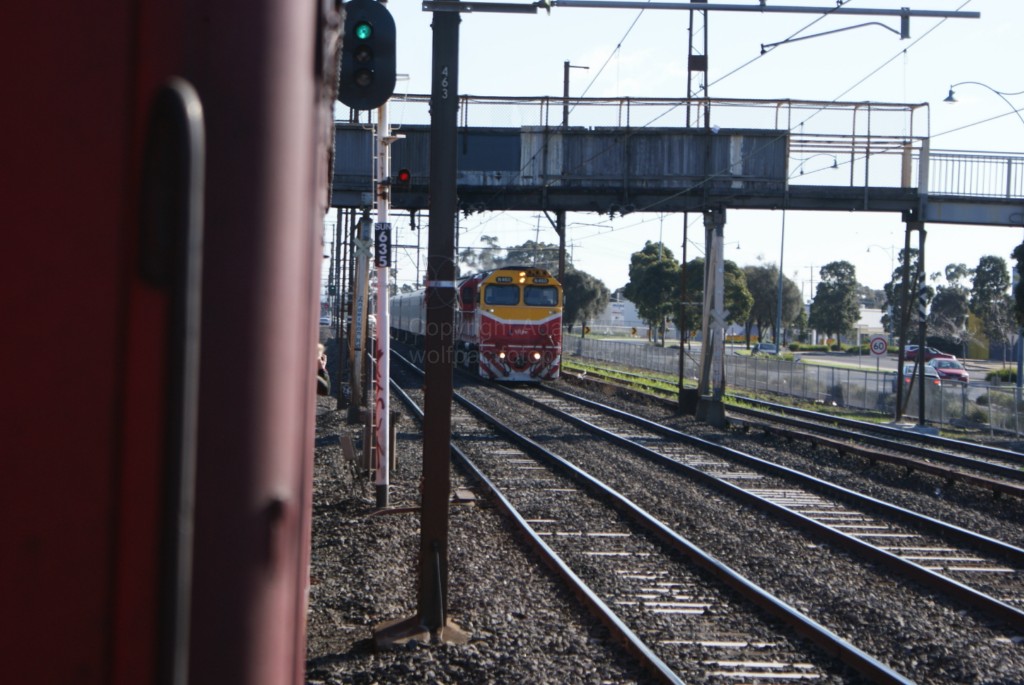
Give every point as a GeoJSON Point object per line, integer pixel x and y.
{"type": "Point", "coordinates": [952, 99]}
{"type": "Point", "coordinates": [892, 269]}
{"type": "Point", "coordinates": [565, 91]}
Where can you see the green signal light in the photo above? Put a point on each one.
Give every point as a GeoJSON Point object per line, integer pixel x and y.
{"type": "Point", "coordinates": [364, 30]}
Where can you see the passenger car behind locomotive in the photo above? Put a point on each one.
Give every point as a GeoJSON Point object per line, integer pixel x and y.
{"type": "Point", "coordinates": [508, 323]}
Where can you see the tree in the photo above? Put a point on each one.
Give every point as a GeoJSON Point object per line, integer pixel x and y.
{"type": "Point", "coordinates": [951, 307]}
{"type": "Point", "coordinates": [492, 255]}
{"type": "Point", "coordinates": [531, 253]}
{"type": "Point", "coordinates": [694, 296]}
{"type": "Point", "coordinates": [584, 297]}
{"type": "Point", "coordinates": [738, 299]}
{"type": "Point", "coordinates": [869, 297]}
{"type": "Point", "coordinates": [763, 284]}
{"type": "Point", "coordinates": [990, 299]}
{"type": "Point", "coordinates": [835, 309]}
{"type": "Point", "coordinates": [653, 284]}
{"type": "Point", "coordinates": [1018, 290]}
{"type": "Point", "coordinates": [895, 319]}
{"type": "Point", "coordinates": [948, 316]}
{"type": "Point", "coordinates": [800, 322]}
{"type": "Point", "coordinates": [477, 259]}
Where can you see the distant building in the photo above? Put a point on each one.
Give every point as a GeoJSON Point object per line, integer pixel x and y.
{"type": "Point", "coordinates": [618, 318]}
{"type": "Point", "coordinates": [870, 323]}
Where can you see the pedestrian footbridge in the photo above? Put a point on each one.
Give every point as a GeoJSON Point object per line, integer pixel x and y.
{"type": "Point", "coordinates": [618, 156]}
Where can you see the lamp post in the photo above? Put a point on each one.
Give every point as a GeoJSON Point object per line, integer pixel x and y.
{"type": "Point", "coordinates": [560, 214]}
{"type": "Point", "coordinates": [565, 91]}
{"type": "Point", "coordinates": [778, 302]}
{"type": "Point", "coordinates": [892, 269]}
{"type": "Point", "coordinates": [782, 249]}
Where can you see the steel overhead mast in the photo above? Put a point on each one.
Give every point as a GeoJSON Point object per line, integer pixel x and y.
{"type": "Point", "coordinates": [761, 6]}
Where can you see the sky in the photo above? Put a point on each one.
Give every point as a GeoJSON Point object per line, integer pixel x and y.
{"type": "Point", "coordinates": [642, 53]}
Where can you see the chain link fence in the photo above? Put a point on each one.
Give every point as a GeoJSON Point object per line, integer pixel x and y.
{"type": "Point", "coordinates": [977, 404]}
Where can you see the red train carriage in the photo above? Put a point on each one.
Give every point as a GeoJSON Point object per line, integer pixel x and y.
{"type": "Point", "coordinates": [508, 323]}
{"type": "Point", "coordinates": [165, 172]}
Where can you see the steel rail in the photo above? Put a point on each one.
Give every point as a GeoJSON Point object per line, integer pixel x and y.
{"type": "Point", "coordinates": [831, 644]}
{"type": "Point", "coordinates": [936, 440]}
{"type": "Point", "coordinates": [840, 441]}
{"type": "Point", "coordinates": [813, 631]}
{"type": "Point", "coordinates": [964, 594]}
{"type": "Point", "coordinates": [817, 421]}
{"type": "Point", "coordinates": [867, 426]}
{"type": "Point", "coordinates": [619, 630]}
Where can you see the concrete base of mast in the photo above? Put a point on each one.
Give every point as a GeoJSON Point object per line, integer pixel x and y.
{"type": "Point", "coordinates": [402, 631]}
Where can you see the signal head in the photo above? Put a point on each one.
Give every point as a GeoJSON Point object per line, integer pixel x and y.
{"type": "Point", "coordinates": [367, 77]}
{"type": "Point", "coordinates": [363, 30]}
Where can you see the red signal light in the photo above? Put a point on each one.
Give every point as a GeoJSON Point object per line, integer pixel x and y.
{"type": "Point", "coordinates": [404, 176]}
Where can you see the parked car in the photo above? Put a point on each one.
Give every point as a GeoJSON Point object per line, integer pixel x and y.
{"type": "Point", "coordinates": [764, 348]}
{"type": "Point", "coordinates": [931, 375]}
{"type": "Point", "coordinates": [930, 353]}
{"type": "Point", "coordinates": [325, 321]}
{"type": "Point", "coordinates": [950, 370]}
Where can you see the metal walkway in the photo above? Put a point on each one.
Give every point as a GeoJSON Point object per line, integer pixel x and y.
{"type": "Point", "coordinates": [619, 156]}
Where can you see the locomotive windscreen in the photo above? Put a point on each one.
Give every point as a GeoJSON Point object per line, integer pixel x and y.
{"type": "Point", "coordinates": [541, 295]}
{"type": "Point", "coordinates": [501, 294]}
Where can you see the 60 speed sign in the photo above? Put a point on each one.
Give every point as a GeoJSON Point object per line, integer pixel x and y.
{"type": "Point", "coordinates": [879, 345]}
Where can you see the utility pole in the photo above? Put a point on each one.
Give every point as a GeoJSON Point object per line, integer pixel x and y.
{"type": "Point", "coordinates": [778, 304]}
{"type": "Point", "coordinates": [431, 621]}
{"type": "Point", "coordinates": [560, 213]}
{"type": "Point", "coordinates": [904, 320]}
{"type": "Point", "coordinates": [922, 319]}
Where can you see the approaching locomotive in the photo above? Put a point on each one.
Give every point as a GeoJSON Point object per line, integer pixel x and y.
{"type": "Point", "coordinates": [508, 323]}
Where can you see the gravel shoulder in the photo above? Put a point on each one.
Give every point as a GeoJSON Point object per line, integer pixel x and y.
{"type": "Point", "coordinates": [523, 627]}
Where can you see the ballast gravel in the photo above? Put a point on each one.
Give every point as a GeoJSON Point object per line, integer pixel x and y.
{"type": "Point", "coordinates": [522, 626]}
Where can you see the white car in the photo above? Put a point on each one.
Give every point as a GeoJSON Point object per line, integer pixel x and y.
{"type": "Point", "coordinates": [931, 376]}
{"type": "Point", "coordinates": [325, 321]}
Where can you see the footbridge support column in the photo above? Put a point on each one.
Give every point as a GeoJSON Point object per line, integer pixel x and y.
{"type": "Point", "coordinates": [711, 388]}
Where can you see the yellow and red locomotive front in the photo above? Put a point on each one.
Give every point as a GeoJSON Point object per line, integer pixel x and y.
{"type": "Point", "coordinates": [510, 323]}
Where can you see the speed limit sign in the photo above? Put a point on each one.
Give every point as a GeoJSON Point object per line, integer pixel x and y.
{"type": "Point", "coordinates": [879, 345]}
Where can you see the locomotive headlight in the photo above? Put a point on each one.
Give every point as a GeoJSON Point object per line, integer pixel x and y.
{"type": "Point", "coordinates": [536, 356]}
{"type": "Point", "coordinates": [501, 355]}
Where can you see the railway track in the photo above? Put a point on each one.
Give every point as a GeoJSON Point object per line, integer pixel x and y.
{"type": "Point", "coordinates": [988, 467]}
{"type": "Point", "coordinates": [980, 572]}
{"type": "Point", "coordinates": [687, 616]}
